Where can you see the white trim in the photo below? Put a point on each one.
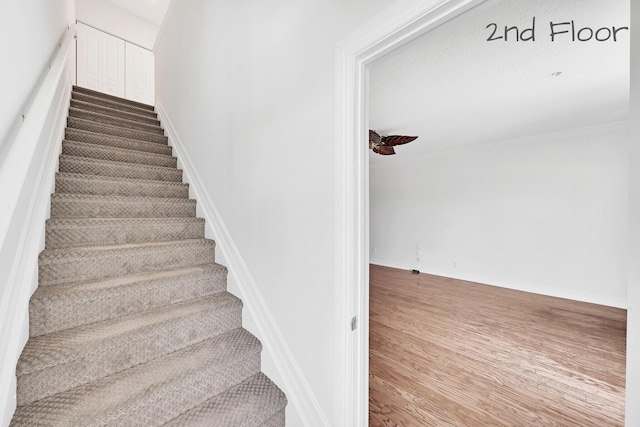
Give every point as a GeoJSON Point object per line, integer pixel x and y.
{"type": "Point", "coordinates": [387, 31]}
{"type": "Point", "coordinates": [632, 416]}
{"type": "Point", "coordinates": [28, 182]}
{"type": "Point", "coordinates": [296, 387]}
{"type": "Point", "coordinates": [513, 285]}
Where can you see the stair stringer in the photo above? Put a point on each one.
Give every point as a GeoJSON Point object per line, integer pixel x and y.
{"type": "Point", "coordinates": [292, 380]}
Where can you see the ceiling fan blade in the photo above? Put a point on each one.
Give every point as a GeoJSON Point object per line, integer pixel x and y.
{"type": "Point", "coordinates": [393, 140]}
{"type": "Point", "coordinates": [384, 150]}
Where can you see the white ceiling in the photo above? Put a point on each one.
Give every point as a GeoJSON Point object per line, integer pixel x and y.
{"type": "Point", "coordinates": [453, 88]}
{"type": "Point", "coordinates": [149, 10]}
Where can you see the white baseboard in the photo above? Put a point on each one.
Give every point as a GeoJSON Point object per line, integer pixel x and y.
{"type": "Point", "coordinates": [514, 285]}
{"type": "Point", "coordinates": [37, 146]}
{"type": "Point", "coordinates": [294, 384]}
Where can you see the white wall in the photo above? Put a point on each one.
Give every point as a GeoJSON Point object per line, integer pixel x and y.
{"type": "Point", "coordinates": [114, 20]}
{"type": "Point", "coordinates": [633, 285]}
{"type": "Point", "coordinates": [546, 214]}
{"type": "Point", "coordinates": [29, 32]}
{"type": "Point", "coordinates": [249, 87]}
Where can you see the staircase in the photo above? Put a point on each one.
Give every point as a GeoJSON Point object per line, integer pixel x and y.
{"type": "Point", "coordinates": [131, 324]}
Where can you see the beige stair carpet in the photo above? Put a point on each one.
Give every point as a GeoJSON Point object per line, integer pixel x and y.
{"type": "Point", "coordinates": [131, 324]}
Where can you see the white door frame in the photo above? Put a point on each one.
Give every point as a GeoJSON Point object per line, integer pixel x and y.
{"type": "Point", "coordinates": [401, 23]}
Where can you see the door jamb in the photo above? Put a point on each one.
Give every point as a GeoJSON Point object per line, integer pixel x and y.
{"type": "Point", "coordinates": [392, 28]}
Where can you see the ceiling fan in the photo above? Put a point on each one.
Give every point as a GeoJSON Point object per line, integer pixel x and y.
{"type": "Point", "coordinates": [383, 145]}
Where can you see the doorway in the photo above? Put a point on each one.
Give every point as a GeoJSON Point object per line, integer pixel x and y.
{"type": "Point", "coordinates": [354, 56]}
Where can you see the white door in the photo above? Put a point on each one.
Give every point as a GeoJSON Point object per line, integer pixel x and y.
{"type": "Point", "coordinates": [101, 61]}
{"type": "Point", "coordinates": [140, 76]}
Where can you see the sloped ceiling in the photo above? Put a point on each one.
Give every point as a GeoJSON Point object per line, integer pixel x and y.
{"type": "Point", "coordinates": [454, 88]}
{"type": "Point", "coordinates": [149, 10]}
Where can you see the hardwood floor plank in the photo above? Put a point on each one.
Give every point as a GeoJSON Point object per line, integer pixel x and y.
{"type": "Point", "coordinates": [446, 352]}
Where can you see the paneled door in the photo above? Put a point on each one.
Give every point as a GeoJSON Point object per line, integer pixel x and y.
{"type": "Point", "coordinates": [100, 61]}
{"type": "Point", "coordinates": [140, 78]}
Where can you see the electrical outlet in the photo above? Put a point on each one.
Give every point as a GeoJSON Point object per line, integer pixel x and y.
{"type": "Point", "coordinates": [455, 264]}
{"type": "Point", "coordinates": [373, 250]}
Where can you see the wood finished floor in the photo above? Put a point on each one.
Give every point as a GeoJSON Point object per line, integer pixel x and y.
{"type": "Point", "coordinates": [446, 352]}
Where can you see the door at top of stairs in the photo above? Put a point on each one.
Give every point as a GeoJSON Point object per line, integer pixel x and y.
{"type": "Point", "coordinates": [110, 65]}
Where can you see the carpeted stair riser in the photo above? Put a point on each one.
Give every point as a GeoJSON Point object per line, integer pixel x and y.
{"type": "Point", "coordinates": [91, 126]}
{"type": "Point", "coordinates": [87, 166]}
{"type": "Point", "coordinates": [70, 265]}
{"type": "Point", "coordinates": [115, 121]}
{"type": "Point", "coordinates": [114, 105]}
{"type": "Point", "coordinates": [112, 112]}
{"type": "Point", "coordinates": [119, 103]}
{"type": "Point", "coordinates": [117, 186]}
{"type": "Point", "coordinates": [86, 206]}
{"type": "Point", "coordinates": [55, 308]}
{"type": "Point", "coordinates": [98, 139]}
{"type": "Point", "coordinates": [255, 402]}
{"type": "Point", "coordinates": [66, 233]}
{"type": "Point", "coordinates": [100, 349]}
{"type": "Point", "coordinates": [113, 98]}
{"type": "Point", "coordinates": [153, 393]}
{"type": "Point", "coordinates": [81, 149]}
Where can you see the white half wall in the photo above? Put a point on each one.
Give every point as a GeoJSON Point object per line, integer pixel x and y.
{"type": "Point", "coordinates": [116, 21]}
{"type": "Point", "coordinates": [26, 183]}
{"type": "Point", "coordinates": [546, 214]}
{"type": "Point", "coordinates": [249, 88]}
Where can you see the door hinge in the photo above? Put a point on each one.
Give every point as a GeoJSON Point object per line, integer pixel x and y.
{"type": "Point", "coordinates": [354, 323]}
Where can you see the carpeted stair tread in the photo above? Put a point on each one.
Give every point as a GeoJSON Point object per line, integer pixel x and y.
{"type": "Point", "coordinates": [70, 265]}
{"type": "Point", "coordinates": [52, 349]}
{"type": "Point", "coordinates": [83, 149]}
{"type": "Point", "coordinates": [132, 324]}
{"type": "Point", "coordinates": [114, 112]}
{"type": "Point", "coordinates": [115, 121]}
{"type": "Point", "coordinates": [89, 166]}
{"type": "Point", "coordinates": [64, 232]}
{"type": "Point", "coordinates": [277, 420]}
{"type": "Point", "coordinates": [76, 123]}
{"type": "Point", "coordinates": [152, 393]}
{"type": "Point", "coordinates": [113, 98]}
{"type": "Point", "coordinates": [89, 206]}
{"type": "Point", "coordinates": [249, 404]}
{"type": "Point", "coordinates": [111, 141]}
{"type": "Point", "coordinates": [65, 359]}
{"type": "Point", "coordinates": [118, 186]}
{"type": "Point", "coordinates": [55, 308]}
